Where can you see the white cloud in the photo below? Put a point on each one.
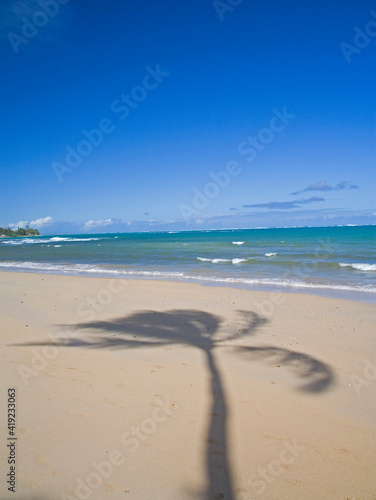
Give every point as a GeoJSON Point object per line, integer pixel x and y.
{"type": "Point", "coordinates": [38, 223]}
{"type": "Point", "coordinates": [43, 221]}
{"type": "Point", "coordinates": [21, 223]}
{"type": "Point", "coordinates": [90, 224]}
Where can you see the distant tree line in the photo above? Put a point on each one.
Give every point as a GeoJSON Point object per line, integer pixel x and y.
{"type": "Point", "coordinates": [28, 231]}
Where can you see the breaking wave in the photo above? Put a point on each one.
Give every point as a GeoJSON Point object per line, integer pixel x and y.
{"type": "Point", "coordinates": [360, 266]}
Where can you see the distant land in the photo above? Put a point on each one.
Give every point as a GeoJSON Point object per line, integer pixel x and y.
{"type": "Point", "coordinates": [8, 232]}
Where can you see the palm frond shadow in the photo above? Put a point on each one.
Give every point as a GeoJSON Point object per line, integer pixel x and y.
{"type": "Point", "coordinates": [319, 375]}
{"type": "Point", "coordinates": [204, 331]}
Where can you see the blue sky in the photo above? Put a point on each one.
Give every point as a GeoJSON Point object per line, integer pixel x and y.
{"type": "Point", "coordinates": [149, 115]}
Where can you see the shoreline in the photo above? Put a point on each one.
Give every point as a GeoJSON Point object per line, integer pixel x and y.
{"type": "Point", "coordinates": [186, 378]}
{"type": "Point", "coordinates": [316, 290]}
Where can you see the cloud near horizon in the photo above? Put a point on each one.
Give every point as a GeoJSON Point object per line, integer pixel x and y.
{"type": "Point", "coordinates": [280, 216]}
{"type": "Point", "coordinates": [16, 225]}
{"type": "Point", "coordinates": [35, 224]}
{"type": "Point", "coordinates": [324, 186]}
{"type": "Point", "coordinates": [43, 221]}
{"type": "Point", "coordinates": [285, 205]}
{"type": "Point", "coordinates": [92, 224]}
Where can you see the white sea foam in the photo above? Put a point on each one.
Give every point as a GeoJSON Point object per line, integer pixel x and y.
{"type": "Point", "coordinates": [22, 241]}
{"type": "Point", "coordinates": [124, 273]}
{"type": "Point", "coordinates": [270, 254]}
{"type": "Point", "coordinates": [238, 242]}
{"type": "Point", "coordinates": [58, 238]}
{"type": "Point", "coordinates": [12, 242]}
{"type": "Point", "coordinates": [54, 239]}
{"type": "Point", "coordinates": [215, 261]}
{"type": "Point", "coordinates": [84, 268]}
{"type": "Point", "coordinates": [57, 246]}
{"type": "Point", "coordinates": [360, 266]}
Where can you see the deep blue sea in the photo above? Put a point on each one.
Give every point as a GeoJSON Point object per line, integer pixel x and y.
{"type": "Point", "coordinates": [321, 260]}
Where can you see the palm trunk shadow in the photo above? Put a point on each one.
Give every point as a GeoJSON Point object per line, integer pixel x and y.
{"type": "Point", "coordinates": [217, 459]}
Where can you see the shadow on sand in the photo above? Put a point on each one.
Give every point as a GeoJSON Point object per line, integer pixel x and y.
{"type": "Point", "coordinates": [202, 330]}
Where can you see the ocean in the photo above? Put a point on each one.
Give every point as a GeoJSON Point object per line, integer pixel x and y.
{"type": "Point", "coordinates": [333, 261]}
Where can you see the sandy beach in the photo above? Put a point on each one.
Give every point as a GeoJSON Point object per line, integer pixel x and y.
{"type": "Point", "coordinates": [132, 389]}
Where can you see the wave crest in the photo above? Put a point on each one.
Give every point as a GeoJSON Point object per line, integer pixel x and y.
{"type": "Point", "coordinates": [360, 266]}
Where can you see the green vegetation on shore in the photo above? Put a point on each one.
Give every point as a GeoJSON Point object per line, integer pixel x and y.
{"type": "Point", "coordinates": [28, 231]}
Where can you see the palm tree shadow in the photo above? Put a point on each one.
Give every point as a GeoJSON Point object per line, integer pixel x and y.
{"type": "Point", "coordinates": [198, 329]}
{"type": "Point", "coordinates": [185, 327]}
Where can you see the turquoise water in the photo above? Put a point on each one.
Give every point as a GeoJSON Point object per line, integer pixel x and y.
{"type": "Point", "coordinates": [307, 259]}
